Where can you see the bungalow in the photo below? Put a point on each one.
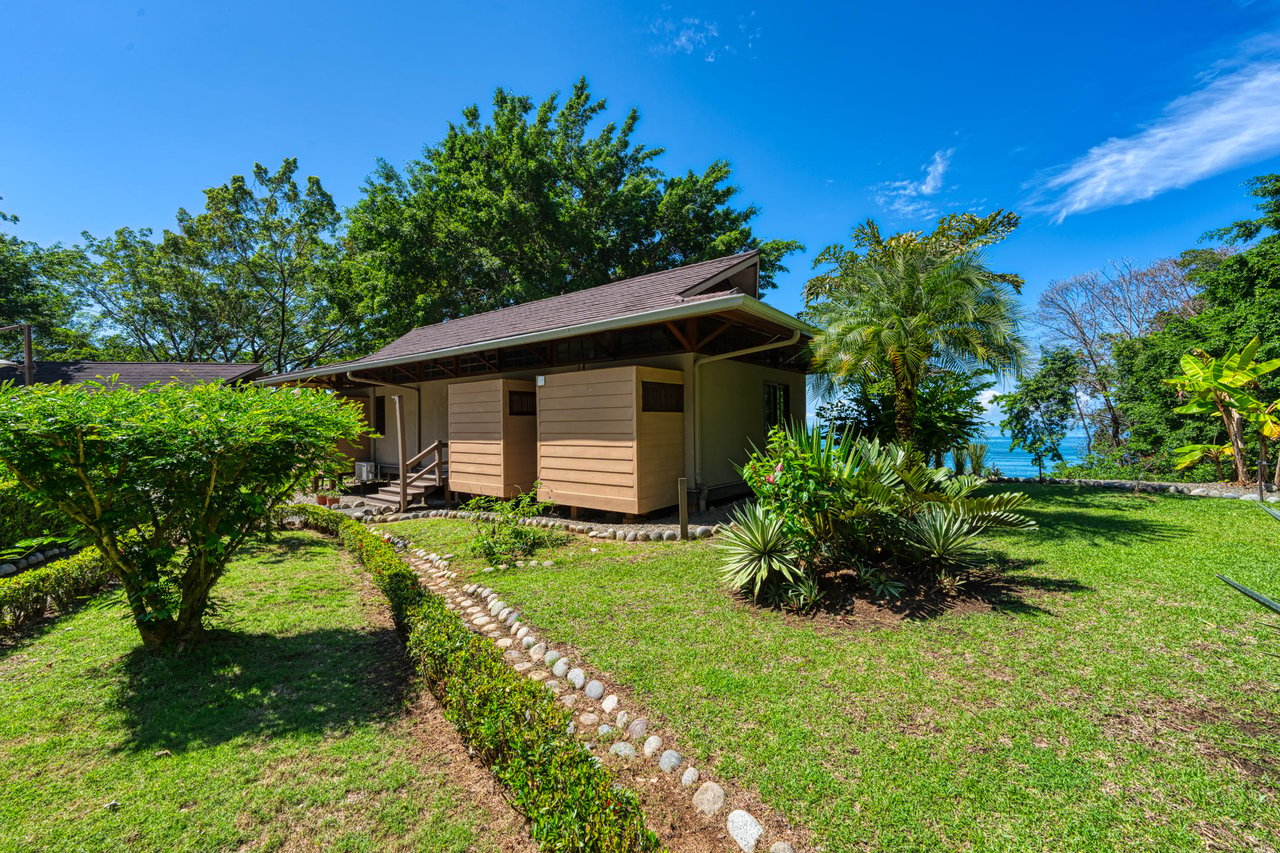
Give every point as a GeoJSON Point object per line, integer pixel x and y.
{"type": "Point", "coordinates": [608, 397]}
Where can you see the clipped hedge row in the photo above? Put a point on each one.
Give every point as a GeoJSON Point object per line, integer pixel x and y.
{"type": "Point", "coordinates": [513, 724]}
{"type": "Point", "coordinates": [25, 597]}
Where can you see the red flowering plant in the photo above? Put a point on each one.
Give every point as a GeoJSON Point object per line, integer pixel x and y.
{"type": "Point", "coordinates": [791, 483]}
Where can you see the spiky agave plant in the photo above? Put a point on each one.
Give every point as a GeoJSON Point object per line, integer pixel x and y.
{"type": "Point", "coordinates": [757, 554]}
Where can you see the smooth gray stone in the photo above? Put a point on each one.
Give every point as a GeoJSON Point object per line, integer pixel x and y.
{"type": "Point", "coordinates": [642, 536]}
{"type": "Point", "coordinates": [671, 536]}
{"type": "Point", "coordinates": [744, 829]}
{"type": "Point", "coordinates": [669, 761]}
{"type": "Point", "coordinates": [538, 652]}
{"type": "Point", "coordinates": [702, 532]}
{"type": "Point", "coordinates": [576, 677]}
{"type": "Point", "coordinates": [8, 569]}
{"type": "Point", "coordinates": [638, 728]}
{"type": "Point", "coordinates": [623, 749]}
{"type": "Point", "coordinates": [609, 704]}
{"type": "Point", "coordinates": [560, 668]}
{"type": "Point", "coordinates": [781, 847]}
{"type": "Point", "coordinates": [594, 689]}
{"type": "Point", "coordinates": [709, 799]}
{"type": "Point", "coordinates": [551, 657]}
{"type": "Point", "coordinates": [652, 744]}
{"type": "Point", "coordinates": [631, 536]}
{"type": "Point", "coordinates": [689, 777]}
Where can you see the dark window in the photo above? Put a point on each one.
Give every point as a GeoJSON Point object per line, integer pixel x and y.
{"type": "Point", "coordinates": [380, 415]}
{"type": "Point", "coordinates": [522, 402]}
{"type": "Point", "coordinates": [661, 397]}
{"type": "Point", "coordinates": [777, 404]}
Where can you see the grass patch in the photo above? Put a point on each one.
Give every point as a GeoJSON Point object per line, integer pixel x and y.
{"type": "Point", "coordinates": [286, 729]}
{"type": "Point", "coordinates": [1107, 694]}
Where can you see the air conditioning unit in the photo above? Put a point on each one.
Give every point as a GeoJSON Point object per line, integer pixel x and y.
{"type": "Point", "coordinates": [366, 472]}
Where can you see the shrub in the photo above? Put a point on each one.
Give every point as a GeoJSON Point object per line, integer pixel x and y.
{"type": "Point", "coordinates": [757, 554]}
{"type": "Point", "coordinates": [513, 724]}
{"type": "Point", "coordinates": [880, 508]}
{"type": "Point", "coordinates": [66, 582]}
{"type": "Point", "coordinates": [22, 521]}
{"type": "Point", "coordinates": [501, 531]}
{"type": "Point", "coordinates": [189, 472]}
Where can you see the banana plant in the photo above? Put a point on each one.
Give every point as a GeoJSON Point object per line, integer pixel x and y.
{"type": "Point", "coordinates": [1228, 388]}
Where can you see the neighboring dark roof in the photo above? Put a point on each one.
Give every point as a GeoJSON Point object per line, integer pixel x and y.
{"type": "Point", "coordinates": [134, 373]}
{"type": "Point", "coordinates": [605, 302]}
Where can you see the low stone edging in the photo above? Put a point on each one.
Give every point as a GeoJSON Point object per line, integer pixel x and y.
{"type": "Point", "coordinates": [599, 716]}
{"type": "Point", "coordinates": [1200, 490]}
{"type": "Point", "coordinates": [32, 560]}
{"type": "Point", "coordinates": [593, 531]}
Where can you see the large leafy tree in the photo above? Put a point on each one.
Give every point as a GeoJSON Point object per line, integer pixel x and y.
{"type": "Point", "coordinates": [535, 200]}
{"type": "Point", "coordinates": [1040, 410]}
{"type": "Point", "coordinates": [892, 308]}
{"type": "Point", "coordinates": [33, 291]}
{"type": "Point", "coordinates": [168, 482]}
{"type": "Point", "coordinates": [256, 276]}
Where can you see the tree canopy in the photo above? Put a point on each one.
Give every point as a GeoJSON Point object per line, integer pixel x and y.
{"type": "Point", "coordinates": [535, 200]}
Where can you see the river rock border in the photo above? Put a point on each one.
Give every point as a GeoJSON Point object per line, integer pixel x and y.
{"type": "Point", "coordinates": [600, 717]}
{"type": "Point", "coordinates": [621, 532]}
{"type": "Point", "coordinates": [32, 560]}
{"type": "Point", "coordinates": [1200, 490]}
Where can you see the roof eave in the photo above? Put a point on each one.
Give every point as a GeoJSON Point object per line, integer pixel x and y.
{"type": "Point", "coordinates": [728, 302]}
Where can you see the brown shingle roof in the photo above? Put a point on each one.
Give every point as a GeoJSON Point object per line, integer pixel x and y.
{"type": "Point", "coordinates": [134, 373]}
{"type": "Point", "coordinates": [605, 302]}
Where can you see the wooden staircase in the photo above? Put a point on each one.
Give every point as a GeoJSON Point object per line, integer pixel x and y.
{"type": "Point", "coordinates": [411, 486]}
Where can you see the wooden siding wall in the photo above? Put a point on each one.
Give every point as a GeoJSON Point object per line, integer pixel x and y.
{"type": "Point", "coordinates": [491, 452]}
{"type": "Point", "coordinates": [597, 450]}
{"type": "Point", "coordinates": [359, 451]}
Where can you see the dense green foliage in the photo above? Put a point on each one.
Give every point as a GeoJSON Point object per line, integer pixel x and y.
{"type": "Point", "coordinates": [948, 411]}
{"type": "Point", "coordinates": [895, 308]}
{"type": "Point", "coordinates": [1040, 411]}
{"type": "Point", "coordinates": [879, 509]}
{"type": "Point", "coordinates": [1235, 297]}
{"type": "Point", "coordinates": [22, 520]}
{"type": "Point", "coordinates": [1105, 695]}
{"type": "Point", "coordinates": [531, 202]}
{"type": "Point", "coordinates": [501, 532]}
{"type": "Point", "coordinates": [513, 724]}
{"type": "Point", "coordinates": [169, 481]}
{"type": "Point", "coordinates": [758, 556]}
{"type": "Point", "coordinates": [26, 596]}
{"type": "Point", "coordinates": [255, 277]}
{"type": "Point", "coordinates": [33, 289]}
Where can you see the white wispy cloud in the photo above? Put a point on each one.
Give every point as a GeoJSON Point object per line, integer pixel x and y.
{"type": "Point", "coordinates": [1232, 120]}
{"type": "Point", "coordinates": [914, 198]}
{"type": "Point", "coordinates": [686, 35]}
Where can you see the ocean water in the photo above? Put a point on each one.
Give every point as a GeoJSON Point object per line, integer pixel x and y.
{"type": "Point", "coordinates": [1018, 463]}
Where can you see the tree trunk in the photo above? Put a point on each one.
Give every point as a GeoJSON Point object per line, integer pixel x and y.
{"type": "Point", "coordinates": [904, 409]}
{"type": "Point", "coordinates": [1262, 467]}
{"type": "Point", "coordinates": [1232, 420]}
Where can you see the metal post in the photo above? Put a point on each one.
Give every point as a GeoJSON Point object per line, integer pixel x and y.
{"type": "Point", "coordinates": [27, 366]}
{"type": "Point", "coordinates": [682, 495]}
{"type": "Point", "coordinates": [404, 474]}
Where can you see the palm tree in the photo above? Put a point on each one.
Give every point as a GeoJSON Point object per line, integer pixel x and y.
{"type": "Point", "coordinates": [896, 307]}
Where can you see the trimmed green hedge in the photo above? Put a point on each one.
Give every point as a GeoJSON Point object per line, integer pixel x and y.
{"type": "Point", "coordinates": [24, 597]}
{"type": "Point", "coordinates": [513, 724]}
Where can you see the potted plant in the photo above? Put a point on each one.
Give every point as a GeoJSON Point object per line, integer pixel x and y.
{"type": "Point", "coordinates": [333, 496]}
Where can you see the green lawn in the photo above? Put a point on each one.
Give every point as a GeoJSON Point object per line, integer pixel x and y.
{"type": "Point", "coordinates": [288, 729]}
{"type": "Point", "coordinates": [1114, 697]}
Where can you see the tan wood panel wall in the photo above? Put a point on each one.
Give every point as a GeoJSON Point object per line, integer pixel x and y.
{"type": "Point", "coordinates": [491, 452]}
{"type": "Point", "coordinates": [597, 450]}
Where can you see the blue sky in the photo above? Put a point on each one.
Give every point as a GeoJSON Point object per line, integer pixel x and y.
{"type": "Point", "coordinates": [1117, 129]}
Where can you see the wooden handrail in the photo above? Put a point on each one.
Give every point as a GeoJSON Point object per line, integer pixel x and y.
{"type": "Point", "coordinates": [406, 479]}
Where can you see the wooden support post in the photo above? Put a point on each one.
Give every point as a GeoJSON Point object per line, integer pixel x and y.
{"type": "Point", "coordinates": [682, 495]}
{"type": "Point", "coordinates": [404, 453]}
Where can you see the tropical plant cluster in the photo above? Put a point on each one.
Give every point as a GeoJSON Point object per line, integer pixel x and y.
{"type": "Point", "coordinates": [511, 723]}
{"type": "Point", "coordinates": [168, 482]}
{"type": "Point", "coordinates": [501, 534]}
{"type": "Point", "coordinates": [829, 505]}
{"type": "Point", "coordinates": [66, 582]}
